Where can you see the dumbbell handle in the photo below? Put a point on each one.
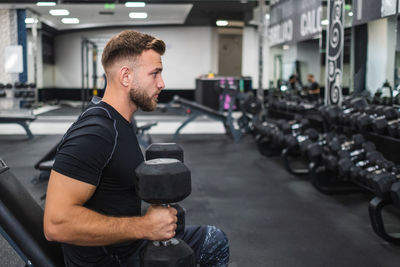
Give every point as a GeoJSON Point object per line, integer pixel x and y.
{"type": "Point", "coordinates": [363, 163]}
{"type": "Point", "coordinates": [166, 243]}
{"type": "Point", "coordinates": [374, 169]}
{"type": "Point", "coordinates": [172, 241]}
{"type": "Point", "coordinates": [357, 152]}
{"type": "Point", "coordinates": [393, 121]}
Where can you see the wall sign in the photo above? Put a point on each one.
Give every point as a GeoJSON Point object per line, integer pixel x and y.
{"type": "Point", "coordinates": [294, 20]}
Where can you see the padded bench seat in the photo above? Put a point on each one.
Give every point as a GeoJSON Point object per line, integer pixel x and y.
{"type": "Point", "coordinates": [20, 117]}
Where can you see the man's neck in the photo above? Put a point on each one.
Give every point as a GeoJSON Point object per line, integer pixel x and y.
{"type": "Point", "coordinates": [120, 103]}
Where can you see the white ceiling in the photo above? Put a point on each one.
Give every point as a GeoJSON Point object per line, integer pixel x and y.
{"type": "Point", "coordinates": [89, 17]}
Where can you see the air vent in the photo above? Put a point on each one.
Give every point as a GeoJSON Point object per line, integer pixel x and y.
{"type": "Point", "coordinates": [106, 13]}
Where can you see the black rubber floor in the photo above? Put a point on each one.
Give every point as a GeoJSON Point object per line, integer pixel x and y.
{"type": "Point", "coordinates": [271, 217]}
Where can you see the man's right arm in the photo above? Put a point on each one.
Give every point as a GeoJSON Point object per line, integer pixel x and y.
{"type": "Point", "coordinates": [66, 220]}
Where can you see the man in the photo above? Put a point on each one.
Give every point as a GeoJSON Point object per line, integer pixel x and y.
{"type": "Point", "coordinates": [92, 207]}
{"type": "Point", "coordinates": [313, 88]}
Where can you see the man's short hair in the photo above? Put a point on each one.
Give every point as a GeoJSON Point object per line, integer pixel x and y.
{"type": "Point", "coordinates": [129, 44]}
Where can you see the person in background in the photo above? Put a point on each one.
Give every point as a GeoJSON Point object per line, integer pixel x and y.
{"type": "Point", "coordinates": [313, 88]}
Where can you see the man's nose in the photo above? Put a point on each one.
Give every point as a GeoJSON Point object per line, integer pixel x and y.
{"type": "Point", "coordinates": [160, 84]}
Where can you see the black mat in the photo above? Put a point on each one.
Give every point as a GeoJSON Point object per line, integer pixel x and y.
{"type": "Point", "coordinates": [270, 217]}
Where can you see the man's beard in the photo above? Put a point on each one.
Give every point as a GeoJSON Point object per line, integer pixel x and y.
{"type": "Point", "coordinates": [144, 102]}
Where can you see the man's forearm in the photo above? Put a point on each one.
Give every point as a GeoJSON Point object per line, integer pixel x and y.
{"type": "Point", "coordinates": [84, 227]}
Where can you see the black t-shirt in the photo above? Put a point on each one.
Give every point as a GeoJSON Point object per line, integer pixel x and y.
{"type": "Point", "coordinates": [101, 149]}
{"type": "Point", "coordinates": [314, 86]}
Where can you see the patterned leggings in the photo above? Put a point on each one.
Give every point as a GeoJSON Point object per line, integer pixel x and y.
{"type": "Point", "coordinates": [209, 244]}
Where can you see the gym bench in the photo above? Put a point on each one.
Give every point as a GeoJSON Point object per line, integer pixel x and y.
{"type": "Point", "coordinates": [194, 110]}
{"type": "Point", "coordinates": [21, 223]}
{"type": "Point", "coordinates": [20, 117]}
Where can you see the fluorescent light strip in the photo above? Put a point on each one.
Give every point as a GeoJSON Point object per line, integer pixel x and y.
{"type": "Point", "coordinates": [135, 4]}
{"type": "Point", "coordinates": [222, 23]}
{"type": "Point", "coordinates": [30, 20]}
{"type": "Point", "coordinates": [70, 20]}
{"type": "Point", "coordinates": [59, 12]}
{"type": "Point", "coordinates": [325, 22]}
{"type": "Point", "coordinates": [138, 15]}
{"type": "Point", "coordinates": [46, 3]}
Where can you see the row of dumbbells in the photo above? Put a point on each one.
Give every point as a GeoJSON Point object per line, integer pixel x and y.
{"type": "Point", "coordinates": [279, 132]}
{"type": "Point", "coordinates": [291, 104]}
{"type": "Point", "coordinates": [361, 117]}
{"type": "Point", "coordinates": [357, 160]}
{"type": "Point", "coordinates": [21, 90]}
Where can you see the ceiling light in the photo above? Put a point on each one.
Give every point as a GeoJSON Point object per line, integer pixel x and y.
{"type": "Point", "coordinates": [138, 15]}
{"type": "Point", "coordinates": [46, 3]}
{"type": "Point", "coordinates": [285, 47]}
{"type": "Point", "coordinates": [325, 22]}
{"type": "Point", "coordinates": [351, 14]}
{"type": "Point", "coordinates": [222, 23]}
{"type": "Point", "coordinates": [31, 20]}
{"type": "Point", "coordinates": [70, 20]}
{"type": "Point", "coordinates": [59, 12]}
{"type": "Point", "coordinates": [135, 4]}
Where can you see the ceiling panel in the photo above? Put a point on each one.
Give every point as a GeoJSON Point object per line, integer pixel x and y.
{"type": "Point", "coordinates": [160, 12]}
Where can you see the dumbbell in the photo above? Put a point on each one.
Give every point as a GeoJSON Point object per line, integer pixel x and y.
{"type": "Point", "coordinates": [314, 150]}
{"type": "Point", "coordinates": [371, 159]}
{"type": "Point", "coordinates": [17, 85]}
{"type": "Point", "coordinates": [380, 125]}
{"type": "Point", "coordinates": [364, 121]}
{"type": "Point", "coordinates": [161, 182]}
{"type": "Point", "coordinates": [292, 140]}
{"type": "Point", "coordinates": [347, 158]}
{"type": "Point", "coordinates": [251, 104]}
{"type": "Point", "coordinates": [335, 114]}
{"type": "Point", "coordinates": [341, 143]}
{"type": "Point", "coordinates": [382, 179]}
{"type": "Point", "coordinates": [357, 154]}
{"type": "Point", "coordinates": [174, 151]}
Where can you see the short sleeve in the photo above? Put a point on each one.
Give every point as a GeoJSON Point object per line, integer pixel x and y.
{"type": "Point", "coordinates": [86, 149]}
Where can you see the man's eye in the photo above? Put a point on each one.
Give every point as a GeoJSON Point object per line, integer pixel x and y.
{"type": "Point", "coordinates": [155, 74]}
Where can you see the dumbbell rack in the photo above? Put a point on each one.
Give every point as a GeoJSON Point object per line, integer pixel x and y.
{"type": "Point", "coordinates": [25, 95]}
{"type": "Point", "coordinates": [19, 96]}
{"type": "Point", "coordinates": [328, 183]}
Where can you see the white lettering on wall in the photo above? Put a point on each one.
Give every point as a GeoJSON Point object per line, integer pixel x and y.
{"type": "Point", "coordinates": [310, 22]}
{"type": "Point", "coordinates": [281, 33]}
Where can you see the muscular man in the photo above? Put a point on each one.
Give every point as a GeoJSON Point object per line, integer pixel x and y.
{"type": "Point", "coordinates": [92, 207]}
{"type": "Point", "coordinates": [313, 91]}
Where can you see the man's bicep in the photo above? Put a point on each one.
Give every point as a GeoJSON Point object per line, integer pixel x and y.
{"type": "Point", "coordinates": [64, 191]}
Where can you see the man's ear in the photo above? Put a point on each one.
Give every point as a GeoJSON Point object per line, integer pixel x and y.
{"type": "Point", "coordinates": [125, 76]}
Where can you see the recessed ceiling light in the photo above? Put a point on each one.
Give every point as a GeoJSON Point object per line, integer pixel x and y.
{"type": "Point", "coordinates": [70, 20]}
{"type": "Point", "coordinates": [46, 3]}
{"type": "Point", "coordinates": [138, 15]}
{"type": "Point", "coordinates": [135, 4]}
{"type": "Point", "coordinates": [325, 22]}
{"type": "Point", "coordinates": [30, 20]}
{"type": "Point", "coordinates": [59, 12]}
{"type": "Point", "coordinates": [222, 23]}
